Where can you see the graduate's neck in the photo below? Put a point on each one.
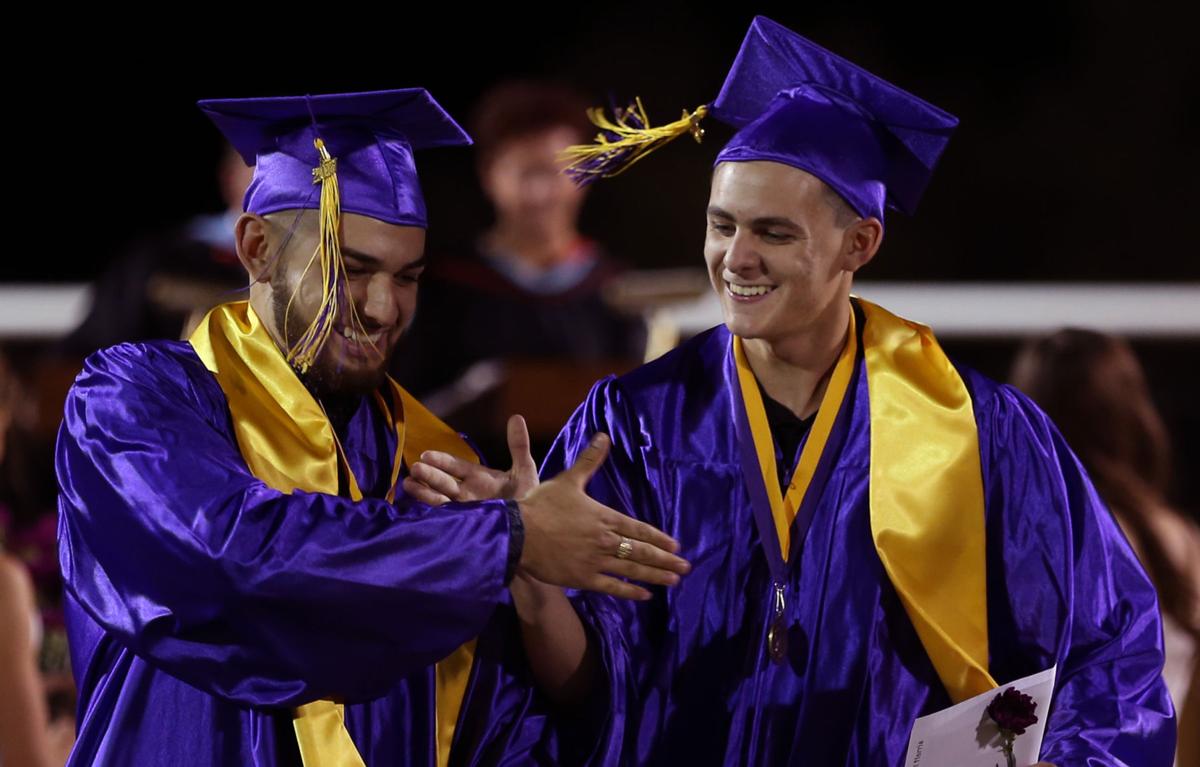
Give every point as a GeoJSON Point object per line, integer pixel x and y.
{"type": "Point", "coordinates": [541, 246]}
{"type": "Point", "coordinates": [794, 370]}
{"type": "Point", "coordinates": [339, 409]}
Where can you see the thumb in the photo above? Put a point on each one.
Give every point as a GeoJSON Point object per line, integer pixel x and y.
{"type": "Point", "coordinates": [518, 448]}
{"type": "Point", "coordinates": [590, 460]}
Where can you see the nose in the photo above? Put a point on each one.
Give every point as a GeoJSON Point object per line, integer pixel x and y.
{"type": "Point", "coordinates": [538, 188]}
{"type": "Point", "coordinates": [381, 304]}
{"type": "Point", "coordinates": [740, 256]}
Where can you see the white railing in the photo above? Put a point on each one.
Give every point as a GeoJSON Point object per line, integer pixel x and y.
{"type": "Point", "coordinates": [32, 311]}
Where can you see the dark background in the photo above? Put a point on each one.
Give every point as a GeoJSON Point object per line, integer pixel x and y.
{"type": "Point", "coordinates": [1075, 159]}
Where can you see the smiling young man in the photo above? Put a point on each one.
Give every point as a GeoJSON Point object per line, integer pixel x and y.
{"type": "Point", "coordinates": [875, 533]}
{"type": "Point", "coordinates": [246, 583]}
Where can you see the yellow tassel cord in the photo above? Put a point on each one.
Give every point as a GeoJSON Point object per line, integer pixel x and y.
{"type": "Point", "coordinates": [625, 140]}
{"type": "Point", "coordinates": [328, 254]}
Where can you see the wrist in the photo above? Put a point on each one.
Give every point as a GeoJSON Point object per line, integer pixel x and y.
{"type": "Point", "coordinates": [516, 541]}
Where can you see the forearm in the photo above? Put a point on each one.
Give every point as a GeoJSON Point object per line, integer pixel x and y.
{"type": "Point", "coordinates": [337, 588]}
{"type": "Point", "coordinates": [23, 735]}
{"type": "Point", "coordinates": [562, 658]}
{"type": "Point", "coordinates": [23, 729]}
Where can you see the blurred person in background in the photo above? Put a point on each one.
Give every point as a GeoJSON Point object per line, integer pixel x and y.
{"type": "Point", "coordinates": [24, 733]}
{"type": "Point", "coordinates": [27, 736]}
{"type": "Point", "coordinates": [164, 283]}
{"type": "Point", "coordinates": [1092, 387]}
{"type": "Point", "coordinates": [532, 288]}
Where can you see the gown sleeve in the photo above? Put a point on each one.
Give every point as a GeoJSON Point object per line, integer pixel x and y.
{"type": "Point", "coordinates": [617, 627]}
{"type": "Point", "coordinates": [250, 594]}
{"type": "Point", "coordinates": [1065, 587]}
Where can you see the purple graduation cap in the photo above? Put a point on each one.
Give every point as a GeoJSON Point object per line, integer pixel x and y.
{"type": "Point", "coordinates": [796, 103]}
{"type": "Point", "coordinates": [371, 136]}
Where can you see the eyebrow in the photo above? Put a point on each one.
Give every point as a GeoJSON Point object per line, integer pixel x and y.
{"type": "Point", "coordinates": [770, 221]}
{"type": "Point", "coordinates": [759, 223]}
{"type": "Point", "coordinates": [367, 259]}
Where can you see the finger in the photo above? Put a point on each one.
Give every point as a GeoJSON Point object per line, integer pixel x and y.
{"type": "Point", "coordinates": [627, 568]}
{"type": "Point", "coordinates": [455, 467]}
{"type": "Point", "coordinates": [650, 555]}
{"type": "Point", "coordinates": [618, 588]}
{"type": "Point", "coordinates": [519, 446]}
{"type": "Point", "coordinates": [590, 460]}
{"type": "Point", "coordinates": [421, 493]}
{"type": "Point", "coordinates": [438, 480]}
{"type": "Point", "coordinates": [632, 528]}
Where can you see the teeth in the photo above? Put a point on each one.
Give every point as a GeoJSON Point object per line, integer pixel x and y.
{"type": "Point", "coordinates": [359, 338]}
{"type": "Point", "coordinates": [749, 290]}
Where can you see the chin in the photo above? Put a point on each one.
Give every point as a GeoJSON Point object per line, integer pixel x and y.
{"type": "Point", "coordinates": [746, 333]}
{"type": "Point", "coordinates": [337, 381]}
{"type": "Point", "coordinates": [743, 326]}
{"type": "Point", "coordinates": [362, 384]}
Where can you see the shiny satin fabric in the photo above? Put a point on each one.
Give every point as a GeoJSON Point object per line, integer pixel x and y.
{"type": "Point", "coordinates": [927, 495]}
{"type": "Point", "coordinates": [378, 177]}
{"type": "Point", "coordinates": [371, 137]}
{"type": "Point", "coordinates": [323, 738]}
{"type": "Point", "coordinates": [785, 507]}
{"type": "Point", "coordinates": [821, 133]}
{"type": "Point", "coordinates": [203, 604]}
{"type": "Point", "coordinates": [689, 680]}
{"type": "Point", "coordinates": [795, 103]}
{"type": "Point", "coordinates": [283, 435]}
{"type": "Point", "coordinates": [267, 400]}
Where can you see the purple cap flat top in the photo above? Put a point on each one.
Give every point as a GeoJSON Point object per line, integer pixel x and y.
{"type": "Point", "coordinates": [796, 103]}
{"type": "Point", "coordinates": [371, 135]}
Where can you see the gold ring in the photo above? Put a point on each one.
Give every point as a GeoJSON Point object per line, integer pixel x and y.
{"type": "Point", "coordinates": [624, 548]}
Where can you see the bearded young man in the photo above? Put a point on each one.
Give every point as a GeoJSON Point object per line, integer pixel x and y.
{"type": "Point", "coordinates": [246, 581]}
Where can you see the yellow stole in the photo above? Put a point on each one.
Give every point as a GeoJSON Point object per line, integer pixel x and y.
{"type": "Point", "coordinates": [926, 489]}
{"type": "Point", "coordinates": [287, 442]}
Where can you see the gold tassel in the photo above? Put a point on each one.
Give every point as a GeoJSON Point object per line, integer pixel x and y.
{"type": "Point", "coordinates": [632, 139]}
{"type": "Point", "coordinates": [328, 254]}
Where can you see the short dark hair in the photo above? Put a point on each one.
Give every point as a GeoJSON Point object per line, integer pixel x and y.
{"type": "Point", "coordinates": [520, 108]}
{"type": "Point", "coordinates": [844, 214]}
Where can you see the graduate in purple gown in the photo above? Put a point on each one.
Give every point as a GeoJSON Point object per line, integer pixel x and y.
{"type": "Point", "coordinates": [246, 584]}
{"type": "Point", "coordinates": [875, 533]}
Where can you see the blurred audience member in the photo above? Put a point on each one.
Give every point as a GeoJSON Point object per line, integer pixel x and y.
{"type": "Point", "coordinates": [532, 289]}
{"type": "Point", "coordinates": [164, 284]}
{"type": "Point", "coordinates": [29, 522]}
{"type": "Point", "coordinates": [24, 729]}
{"type": "Point", "coordinates": [26, 735]}
{"type": "Point", "coordinates": [1093, 388]}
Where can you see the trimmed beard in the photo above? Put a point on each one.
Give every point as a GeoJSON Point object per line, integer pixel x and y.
{"type": "Point", "coordinates": [325, 378]}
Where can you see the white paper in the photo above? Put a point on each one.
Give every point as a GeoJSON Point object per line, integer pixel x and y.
{"type": "Point", "coordinates": [964, 736]}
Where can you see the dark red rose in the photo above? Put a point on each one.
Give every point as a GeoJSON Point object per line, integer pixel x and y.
{"type": "Point", "coordinates": [1013, 711]}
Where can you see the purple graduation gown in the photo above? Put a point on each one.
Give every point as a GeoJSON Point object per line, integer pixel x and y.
{"type": "Point", "coordinates": [688, 672]}
{"type": "Point", "coordinates": [202, 605]}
